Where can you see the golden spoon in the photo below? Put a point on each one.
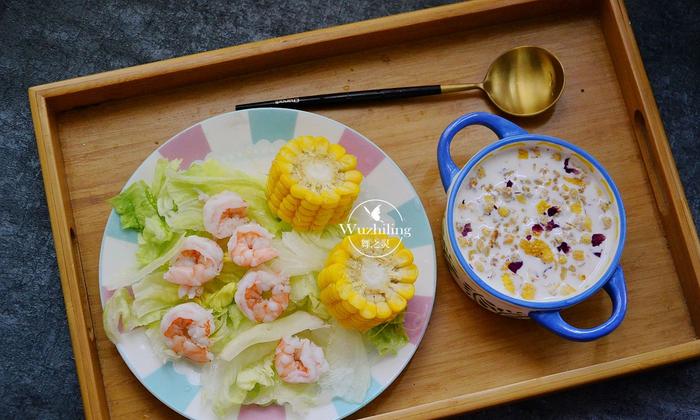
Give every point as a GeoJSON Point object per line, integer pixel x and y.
{"type": "Point", "coordinates": [524, 81]}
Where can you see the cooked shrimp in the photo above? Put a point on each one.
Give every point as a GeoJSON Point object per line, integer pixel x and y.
{"type": "Point", "coordinates": [186, 329]}
{"type": "Point", "coordinates": [223, 213]}
{"type": "Point", "coordinates": [251, 245]}
{"type": "Point", "coordinates": [262, 296]}
{"type": "Point", "coordinates": [200, 260]}
{"type": "Point", "coordinates": [299, 360]}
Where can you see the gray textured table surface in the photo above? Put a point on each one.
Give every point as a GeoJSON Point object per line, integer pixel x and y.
{"type": "Point", "coordinates": [42, 43]}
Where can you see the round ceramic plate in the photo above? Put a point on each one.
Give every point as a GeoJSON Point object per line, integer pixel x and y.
{"type": "Point", "coordinates": [249, 140]}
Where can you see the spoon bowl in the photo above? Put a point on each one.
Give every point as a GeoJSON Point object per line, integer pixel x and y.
{"type": "Point", "coordinates": [524, 81]}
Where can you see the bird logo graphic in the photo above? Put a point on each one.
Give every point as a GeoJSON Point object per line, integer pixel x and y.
{"type": "Point", "coordinates": [375, 213]}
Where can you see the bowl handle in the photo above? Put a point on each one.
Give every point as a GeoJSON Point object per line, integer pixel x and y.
{"type": "Point", "coordinates": [500, 126]}
{"type": "Point", "coordinates": [615, 288]}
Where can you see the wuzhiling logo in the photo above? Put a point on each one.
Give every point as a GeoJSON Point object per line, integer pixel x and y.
{"type": "Point", "coordinates": [375, 220]}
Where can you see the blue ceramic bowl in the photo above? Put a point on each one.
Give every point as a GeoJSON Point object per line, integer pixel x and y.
{"type": "Point", "coordinates": [547, 314]}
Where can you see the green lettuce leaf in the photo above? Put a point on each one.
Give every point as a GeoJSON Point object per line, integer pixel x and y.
{"type": "Point", "coordinates": [137, 208]}
{"type": "Point", "coordinates": [250, 377]}
{"type": "Point", "coordinates": [229, 323]}
{"type": "Point", "coordinates": [226, 384]}
{"type": "Point", "coordinates": [218, 296]}
{"type": "Point", "coordinates": [389, 337]}
{"type": "Point", "coordinates": [304, 252]}
{"type": "Point", "coordinates": [259, 374]}
{"type": "Point", "coordinates": [218, 293]}
{"type": "Point", "coordinates": [304, 295]}
{"type": "Point", "coordinates": [348, 376]}
{"type": "Point", "coordinates": [153, 297]}
{"type": "Point", "coordinates": [134, 205]}
{"type": "Point", "coordinates": [271, 331]}
{"type": "Point", "coordinates": [155, 240]}
{"type": "Point", "coordinates": [117, 314]}
{"type": "Point", "coordinates": [182, 195]}
{"type": "Point", "coordinates": [163, 166]}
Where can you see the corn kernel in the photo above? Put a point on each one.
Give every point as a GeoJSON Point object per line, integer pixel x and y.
{"type": "Point", "coordinates": [528, 291]}
{"type": "Point", "coordinates": [508, 283]}
{"type": "Point", "coordinates": [576, 208]}
{"type": "Point", "coordinates": [588, 223]}
{"type": "Point", "coordinates": [566, 290]}
{"type": "Point", "coordinates": [575, 181]}
{"type": "Point", "coordinates": [537, 248]}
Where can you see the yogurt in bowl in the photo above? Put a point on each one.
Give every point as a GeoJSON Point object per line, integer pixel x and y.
{"type": "Point", "coordinates": [533, 225]}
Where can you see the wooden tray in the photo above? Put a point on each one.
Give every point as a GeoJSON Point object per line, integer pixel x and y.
{"type": "Point", "coordinates": [92, 132]}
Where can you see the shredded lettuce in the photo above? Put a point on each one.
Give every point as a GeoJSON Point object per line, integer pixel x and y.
{"type": "Point", "coordinates": [134, 205]}
{"type": "Point", "coordinates": [117, 315]}
{"type": "Point", "coordinates": [389, 337]}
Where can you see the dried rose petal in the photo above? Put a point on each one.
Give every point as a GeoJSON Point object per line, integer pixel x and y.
{"type": "Point", "coordinates": [515, 266]}
{"type": "Point", "coordinates": [528, 237]}
{"type": "Point", "coordinates": [569, 170]}
{"type": "Point", "coordinates": [551, 225]}
{"type": "Point", "coordinates": [537, 228]}
{"type": "Point", "coordinates": [597, 239]}
{"type": "Point", "coordinates": [597, 254]}
{"type": "Point", "coordinates": [552, 211]}
{"type": "Point", "coordinates": [466, 229]}
{"type": "Point", "coordinates": [563, 247]}
{"type": "Point", "coordinates": [509, 183]}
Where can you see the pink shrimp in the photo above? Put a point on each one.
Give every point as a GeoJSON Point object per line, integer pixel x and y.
{"type": "Point", "coordinates": [200, 260]}
{"type": "Point", "coordinates": [299, 360]}
{"type": "Point", "coordinates": [223, 213]}
{"type": "Point", "coordinates": [251, 245]}
{"type": "Point", "coordinates": [186, 329]}
{"type": "Point", "coordinates": [262, 296]}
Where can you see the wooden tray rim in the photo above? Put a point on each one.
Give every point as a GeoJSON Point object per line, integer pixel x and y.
{"type": "Point", "coordinates": [46, 101]}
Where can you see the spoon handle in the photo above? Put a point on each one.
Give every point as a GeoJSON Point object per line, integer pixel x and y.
{"type": "Point", "coordinates": [346, 97]}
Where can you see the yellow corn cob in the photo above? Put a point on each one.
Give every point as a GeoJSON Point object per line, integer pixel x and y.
{"type": "Point", "coordinates": [361, 291]}
{"type": "Point", "coordinates": [312, 183]}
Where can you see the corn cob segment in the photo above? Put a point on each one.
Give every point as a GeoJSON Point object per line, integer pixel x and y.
{"type": "Point", "coordinates": [312, 183]}
{"type": "Point", "coordinates": [361, 291]}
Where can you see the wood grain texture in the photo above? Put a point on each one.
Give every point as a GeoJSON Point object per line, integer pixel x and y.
{"type": "Point", "coordinates": [68, 256]}
{"type": "Point", "coordinates": [469, 358]}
